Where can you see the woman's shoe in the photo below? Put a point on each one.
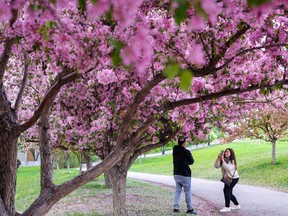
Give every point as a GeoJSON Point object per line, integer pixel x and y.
{"type": "Point", "coordinates": [225, 209]}
{"type": "Point", "coordinates": [236, 207]}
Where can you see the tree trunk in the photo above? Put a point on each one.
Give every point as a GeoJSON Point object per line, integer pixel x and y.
{"type": "Point", "coordinates": [118, 179]}
{"type": "Point", "coordinates": [273, 152]}
{"type": "Point", "coordinates": [8, 161]}
{"type": "Point", "coordinates": [79, 156]}
{"type": "Point", "coordinates": [45, 151]}
{"type": "Point", "coordinates": [68, 162]}
{"type": "Point", "coordinates": [108, 183]}
{"type": "Point", "coordinates": [88, 161]}
{"type": "Point", "coordinates": [8, 157]}
{"type": "Point", "coordinates": [57, 161]}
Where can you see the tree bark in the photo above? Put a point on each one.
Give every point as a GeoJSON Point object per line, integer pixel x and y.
{"type": "Point", "coordinates": [108, 183]}
{"type": "Point", "coordinates": [8, 156]}
{"type": "Point", "coordinates": [45, 151]}
{"type": "Point", "coordinates": [273, 152]}
{"type": "Point", "coordinates": [118, 177]}
{"type": "Point", "coordinates": [57, 161]}
{"type": "Point", "coordinates": [88, 161]}
{"type": "Point", "coordinates": [68, 161]}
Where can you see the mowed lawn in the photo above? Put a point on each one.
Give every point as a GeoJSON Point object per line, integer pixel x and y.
{"type": "Point", "coordinates": [253, 158]}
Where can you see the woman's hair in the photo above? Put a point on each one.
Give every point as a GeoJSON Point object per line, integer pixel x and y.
{"type": "Point", "coordinates": [232, 156]}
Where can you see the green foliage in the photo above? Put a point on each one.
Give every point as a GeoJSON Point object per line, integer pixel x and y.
{"type": "Point", "coordinates": [63, 160]}
{"type": "Point", "coordinates": [44, 30]}
{"type": "Point", "coordinates": [115, 54]}
{"type": "Point", "coordinates": [185, 79]}
{"type": "Point", "coordinates": [266, 91]}
{"type": "Point", "coordinates": [94, 1]}
{"type": "Point", "coordinates": [172, 69]}
{"type": "Point", "coordinates": [217, 133]}
{"type": "Point", "coordinates": [256, 2]}
{"type": "Point", "coordinates": [82, 5]}
{"type": "Point", "coordinates": [180, 11]}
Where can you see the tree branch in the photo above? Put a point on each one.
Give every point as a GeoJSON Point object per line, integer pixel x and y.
{"type": "Point", "coordinates": [211, 67]}
{"type": "Point", "coordinates": [248, 50]}
{"type": "Point", "coordinates": [149, 147]}
{"type": "Point", "coordinates": [64, 77]}
{"type": "Point", "coordinates": [7, 47]}
{"type": "Point", "coordinates": [205, 47]}
{"type": "Point", "coordinates": [173, 105]}
{"type": "Point", "coordinates": [123, 132]}
{"type": "Point", "coordinates": [24, 81]}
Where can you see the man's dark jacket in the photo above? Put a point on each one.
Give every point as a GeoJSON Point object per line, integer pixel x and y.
{"type": "Point", "coordinates": [182, 158]}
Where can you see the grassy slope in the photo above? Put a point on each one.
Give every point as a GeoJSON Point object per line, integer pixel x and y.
{"type": "Point", "coordinates": [253, 164]}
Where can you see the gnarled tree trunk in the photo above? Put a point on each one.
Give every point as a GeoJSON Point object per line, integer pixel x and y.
{"type": "Point", "coordinates": [118, 177]}
{"type": "Point", "coordinates": [8, 156]}
{"type": "Point", "coordinates": [45, 151]}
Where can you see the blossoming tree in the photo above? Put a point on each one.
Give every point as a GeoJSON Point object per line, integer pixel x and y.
{"type": "Point", "coordinates": [221, 48]}
{"type": "Point", "coordinates": [266, 119]}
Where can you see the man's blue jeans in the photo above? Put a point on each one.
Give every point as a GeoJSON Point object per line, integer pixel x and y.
{"type": "Point", "coordinates": [185, 182]}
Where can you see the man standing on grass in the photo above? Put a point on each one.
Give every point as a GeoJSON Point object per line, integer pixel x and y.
{"type": "Point", "coordinates": [182, 158]}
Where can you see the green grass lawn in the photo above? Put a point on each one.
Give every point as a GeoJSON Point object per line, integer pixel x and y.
{"type": "Point", "coordinates": [28, 184]}
{"type": "Point", "coordinates": [253, 163]}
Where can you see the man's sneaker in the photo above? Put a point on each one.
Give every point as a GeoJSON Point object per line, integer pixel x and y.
{"type": "Point", "coordinates": [235, 207]}
{"type": "Point", "coordinates": [176, 210]}
{"type": "Point", "coordinates": [192, 211]}
{"type": "Point", "coordinates": [225, 209]}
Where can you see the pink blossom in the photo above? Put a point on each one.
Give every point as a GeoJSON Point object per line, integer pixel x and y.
{"type": "Point", "coordinates": [198, 85]}
{"type": "Point", "coordinates": [201, 135]}
{"type": "Point", "coordinates": [64, 4]}
{"type": "Point", "coordinates": [130, 54]}
{"type": "Point", "coordinates": [211, 9]}
{"type": "Point", "coordinates": [195, 55]}
{"type": "Point", "coordinates": [5, 11]}
{"type": "Point", "coordinates": [106, 76]}
{"type": "Point", "coordinates": [94, 11]}
{"type": "Point", "coordinates": [196, 22]}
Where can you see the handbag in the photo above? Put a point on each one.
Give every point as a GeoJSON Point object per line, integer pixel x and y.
{"type": "Point", "coordinates": [227, 179]}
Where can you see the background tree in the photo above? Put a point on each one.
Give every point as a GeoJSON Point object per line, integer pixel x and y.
{"type": "Point", "coordinates": [268, 123]}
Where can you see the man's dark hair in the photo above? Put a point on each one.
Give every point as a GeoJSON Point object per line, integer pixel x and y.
{"type": "Point", "coordinates": [181, 140]}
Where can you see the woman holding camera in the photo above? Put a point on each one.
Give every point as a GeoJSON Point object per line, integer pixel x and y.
{"type": "Point", "coordinates": [227, 161]}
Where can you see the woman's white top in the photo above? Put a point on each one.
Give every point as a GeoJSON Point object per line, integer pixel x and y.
{"type": "Point", "coordinates": [227, 168]}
